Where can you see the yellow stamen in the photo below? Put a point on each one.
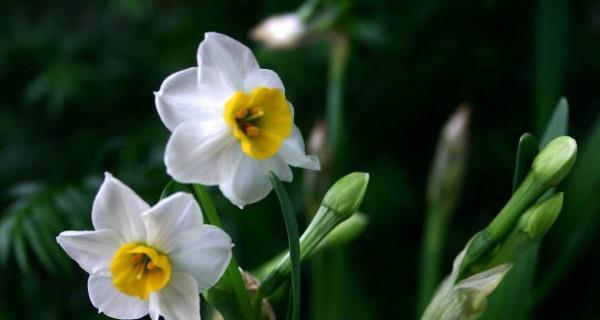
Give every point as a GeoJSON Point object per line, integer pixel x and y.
{"type": "Point", "coordinates": [150, 265]}
{"type": "Point", "coordinates": [252, 131]}
{"type": "Point", "coordinates": [241, 113]}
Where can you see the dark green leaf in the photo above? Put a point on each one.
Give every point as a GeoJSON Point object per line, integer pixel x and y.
{"type": "Point", "coordinates": [526, 152]}
{"type": "Point", "coordinates": [558, 124]}
{"type": "Point", "coordinates": [172, 187]}
{"type": "Point", "coordinates": [293, 242]}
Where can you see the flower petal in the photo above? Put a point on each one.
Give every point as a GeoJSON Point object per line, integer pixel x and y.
{"type": "Point", "coordinates": [178, 300]}
{"type": "Point", "coordinates": [171, 217]}
{"type": "Point", "coordinates": [203, 253]}
{"type": "Point", "coordinates": [181, 99]}
{"type": "Point", "coordinates": [92, 250]}
{"type": "Point", "coordinates": [118, 208]}
{"type": "Point", "coordinates": [262, 78]}
{"type": "Point", "coordinates": [292, 151]}
{"type": "Point", "coordinates": [193, 151]}
{"type": "Point", "coordinates": [279, 167]}
{"type": "Point", "coordinates": [112, 302]}
{"type": "Point", "coordinates": [243, 180]}
{"type": "Point", "coordinates": [224, 63]}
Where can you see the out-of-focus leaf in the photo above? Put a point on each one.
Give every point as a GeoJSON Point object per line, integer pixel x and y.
{"type": "Point", "coordinates": [526, 152]}
{"type": "Point", "coordinates": [559, 123]}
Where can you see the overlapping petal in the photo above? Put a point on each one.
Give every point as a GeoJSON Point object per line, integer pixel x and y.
{"type": "Point", "coordinates": [181, 99]}
{"type": "Point", "coordinates": [224, 63]}
{"type": "Point", "coordinates": [92, 250]}
{"type": "Point", "coordinates": [242, 179]}
{"type": "Point", "coordinates": [118, 208]}
{"type": "Point", "coordinates": [204, 254]}
{"type": "Point", "coordinates": [171, 217]}
{"type": "Point", "coordinates": [112, 302]}
{"type": "Point", "coordinates": [293, 152]}
{"type": "Point", "coordinates": [178, 300]}
{"type": "Point", "coordinates": [193, 150]}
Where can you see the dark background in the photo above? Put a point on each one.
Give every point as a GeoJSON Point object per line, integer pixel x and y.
{"type": "Point", "coordinates": [76, 100]}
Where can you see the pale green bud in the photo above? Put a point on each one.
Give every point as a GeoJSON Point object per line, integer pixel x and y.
{"type": "Point", "coordinates": [347, 194]}
{"type": "Point", "coordinates": [555, 161]}
{"type": "Point", "coordinates": [541, 216]}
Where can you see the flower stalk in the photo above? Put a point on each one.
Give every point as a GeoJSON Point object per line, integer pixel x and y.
{"type": "Point", "coordinates": [339, 204]}
{"type": "Point", "coordinates": [549, 168]}
{"type": "Point", "coordinates": [443, 189]}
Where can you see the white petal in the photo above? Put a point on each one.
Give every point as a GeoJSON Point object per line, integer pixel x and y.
{"type": "Point", "coordinates": [262, 78]}
{"type": "Point", "coordinates": [243, 180]}
{"type": "Point", "coordinates": [178, 300]}
{"type": "Point", "coordinates": [118, 208]}
{"type": "Point", "coordinates": [171, 217]}
{"type": "Point", "coordinates": [224, 63]}
{"type": "Point", "coordinates": [181, 99]}
{"type": "Point", "coordinates": [292, 151]}
{"type": "Point", "coordinates": [93, 250]}
{"type": "Point", "coordinates": [112, 302]}
{"type": "Point", "coordinates": [193, 150]}
{"type": "Point", "coordinates": [204, 253]}
{"type": "Point", "coordinates": [279, 167]}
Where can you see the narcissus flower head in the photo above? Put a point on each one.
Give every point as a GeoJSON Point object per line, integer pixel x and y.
{"type": "Point", "coordinates": [231, 123]}
{"type": "Point", "coordinates": [147, 260]}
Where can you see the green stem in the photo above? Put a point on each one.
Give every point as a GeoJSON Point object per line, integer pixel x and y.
{"type": "Point", "coordinates": [335, 92]}
{"type": "Point", "coordinates": [499, 228]}
{"type": "Point", "coordinates": [430, 257]}
{"type": "Point", "coordinates": [233, 270]}
{"type": "Point", "coordinates": [294, 244]}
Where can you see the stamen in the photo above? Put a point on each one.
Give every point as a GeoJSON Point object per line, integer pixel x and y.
{"type": "Point", "coordinates": [252, 131]}
{"type": "Point", "coordinates": [150, 265]}
{"type": "Point", "coordinates": [241, 113]}
{"type": "Point", "coordinates": [137, 258]}
{"type": "Point", "coordinates": [255, 113]}
{"type": "Point", "coordinates": [140, 271]}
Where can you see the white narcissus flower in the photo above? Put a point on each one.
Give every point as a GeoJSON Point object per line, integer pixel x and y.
{"type": "Point", "coordinates": [231, 123]}
{"type": "Point", "coordinates": [147, 260]}
{"type": "Point", "coordinates": [282, 31]}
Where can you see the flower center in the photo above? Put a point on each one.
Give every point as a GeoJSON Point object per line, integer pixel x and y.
{"type": "Point", "coordinates": [261, 121]}
{"type": "Point", "coordinates": [138, 270]}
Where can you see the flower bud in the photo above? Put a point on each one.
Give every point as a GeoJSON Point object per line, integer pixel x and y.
{"type": "Point", "coordinates": [446, 176]}
{"type": "Point", "coordinates": [540, 217]}
{"type": "Point", "coordinates": [347, 194]}
{"type": "Point", "coordinates": [555, 161]}
{"type": "Point", "coordinates": [280, 31]}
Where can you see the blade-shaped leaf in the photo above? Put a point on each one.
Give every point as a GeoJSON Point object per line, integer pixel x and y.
{"type": "Point", "coordinates": [294, 243]}
{"type": "Point", "coordinates": [559, 123]}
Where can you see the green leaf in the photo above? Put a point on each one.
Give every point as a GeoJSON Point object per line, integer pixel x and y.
{"type": "Point", "coordinates": [35, 241]}
{"type": "Point", "coordinates": [172, 187]}
{"type": "Point", "coordinates": [526, 152]}
{"type": "Point", "coordinates": [294, 243]}
{"type": "Point", "coordinates": [21, 253]}
{"type": "Point", "coordinates": [558, 124]}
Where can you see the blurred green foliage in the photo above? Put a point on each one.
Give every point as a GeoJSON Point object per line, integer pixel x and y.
{"type": "Point", "coordinates": [76, 100]}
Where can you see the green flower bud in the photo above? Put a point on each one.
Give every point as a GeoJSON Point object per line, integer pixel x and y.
{"type": "Point", "coordinates": [340, 203]}
{"type": "Point", "coordinates": [346, 195]}
{"type": "Point", "coordinates": [553, 163]}
{"type": "Point", "coordinates": [539, 218]}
